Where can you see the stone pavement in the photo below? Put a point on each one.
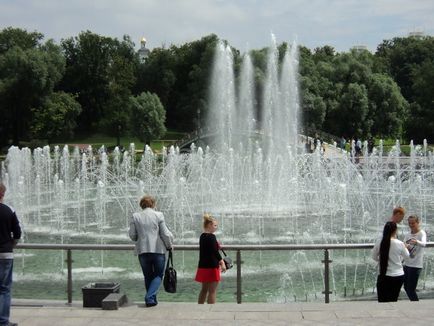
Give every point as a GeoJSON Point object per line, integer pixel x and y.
{"type": "Point", "coordinates": [54, 313]}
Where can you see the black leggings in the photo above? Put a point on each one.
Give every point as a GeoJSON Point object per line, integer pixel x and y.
{"type": "Point", "coordinates": [388, 287]}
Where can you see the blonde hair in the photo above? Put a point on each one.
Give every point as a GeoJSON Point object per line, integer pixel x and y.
{"type": "Point", "coordinates": [147, 201]}
{"type": "Point", "coordinates": [417, 219]}
{"type": "Point", "coordinates": [207, 220]}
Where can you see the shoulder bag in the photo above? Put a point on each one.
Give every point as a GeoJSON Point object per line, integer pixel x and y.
{"type": "Point", "coordinates": [170, 280]}
{"type": "Point", "coordinates": [227, 260]}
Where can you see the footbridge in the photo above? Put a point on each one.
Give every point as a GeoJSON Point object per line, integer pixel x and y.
{"type": "Point", "coordinates": [203, 136]}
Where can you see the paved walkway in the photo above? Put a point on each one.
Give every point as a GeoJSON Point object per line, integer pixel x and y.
{"type": "Point", "coordinates": [51, 313]}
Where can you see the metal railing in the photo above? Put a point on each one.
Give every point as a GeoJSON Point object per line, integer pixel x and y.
{"type": "Point", "coordinates": [237, 248]}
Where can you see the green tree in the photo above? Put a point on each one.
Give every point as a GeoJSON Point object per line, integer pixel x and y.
{"type": "Point", "coordinates": [147, 117]}
{"type": "Point", "coordinates": [122, 78]}
{"type": "Point", "coordinates": [354, 111]}
{"type": "Point", "coordinates": [56, 117]}
{"type": "Point", "coordinates": [387, 107]}
{"type": "Point", "coordinates": [16, 37]}
{"type": "Point", "coordinates": [28, 75]}
{"type": "Point", "coordinates": [101, 71]}
{"type": "Point", "coordinates": [409, 61]}
{"type": "Point", "coordinates": [180, 77]}
{"type": "Point", "coordinates": [421, 120]}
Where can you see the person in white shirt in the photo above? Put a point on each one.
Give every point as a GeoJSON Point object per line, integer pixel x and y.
{"type": "Point", "coordinates": [389, 252]}
{"type": "Point", "coordinates": [416, 242]}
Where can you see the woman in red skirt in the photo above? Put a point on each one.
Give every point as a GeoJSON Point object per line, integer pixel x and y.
{"type": "Point", "coordinates": [210, 261]}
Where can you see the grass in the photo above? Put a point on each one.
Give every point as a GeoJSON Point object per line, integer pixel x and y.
{"type": "Point", "coordinates": [389, 143]}
{"type": "Point", "coordinates": [405, 147]}
{"type": "Point", "coordinates": [97, 140]}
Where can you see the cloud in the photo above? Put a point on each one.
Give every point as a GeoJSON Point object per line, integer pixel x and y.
{"type": "Point", "coordinates": [340, 23]}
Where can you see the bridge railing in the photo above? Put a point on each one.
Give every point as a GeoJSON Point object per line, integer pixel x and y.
{"type": "Point", "coordinates": [238, 249]}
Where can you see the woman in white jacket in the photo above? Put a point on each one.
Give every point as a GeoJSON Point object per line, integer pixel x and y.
{"type": "Point", "coordinates": [152, 237]}
{"type": "Point", "coordinates": [389, 252]}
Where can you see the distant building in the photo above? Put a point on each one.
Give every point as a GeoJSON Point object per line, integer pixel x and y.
{"type": "Point", "coordinates": [416, 34]}
{"type": "Point", "coordinates": [359, 48]}
{"type": "Point", "coordinates": [143, 51]}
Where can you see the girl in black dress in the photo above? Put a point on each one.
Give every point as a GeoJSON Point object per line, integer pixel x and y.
{"type": "Point", "coordinates": [210, 261]}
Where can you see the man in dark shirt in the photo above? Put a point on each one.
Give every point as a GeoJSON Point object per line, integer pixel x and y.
{"type": "Point", "coordinates": [10, 232]}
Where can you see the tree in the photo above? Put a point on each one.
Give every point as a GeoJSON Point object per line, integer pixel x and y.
{"type": "Point", "coordinates": [179, 76]}
{"type": "Point", "coordinates": [56, 117]}
{"type": "Point", "coordinates": [147, 117]}
{"type": "Point", "coordinates": [122, 77]}
{"type": "Point", "coordinates": [29, 70]}
{"type": "Point", "coordinates": [101, 71]}
{"type": "Point", "coordinates": [316, 87]}
{"type": "Point", "coordinates": [354, 111]}
{"type": "Point", "coordinates": [387, 107]}
{"type": "Point", "coordinates": [421, 120]}
{"type": "Point", "coordinates": [15, 37]}
{"type": "Point", "coordinates": [409, 60]}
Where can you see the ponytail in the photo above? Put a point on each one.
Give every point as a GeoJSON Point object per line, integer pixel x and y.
{"type": "Point", "coordinates": [388, 231]}
{"type": "Point", "coordinates": [207, 220]}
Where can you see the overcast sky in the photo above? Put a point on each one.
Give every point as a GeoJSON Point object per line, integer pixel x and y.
{"type": "Point", "coordinates": [246, 24]}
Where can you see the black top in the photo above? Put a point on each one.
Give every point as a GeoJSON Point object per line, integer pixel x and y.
{"type": "Point", "coordinates": [209, 255]}
{"type": "Point", "coordinates": [9, 228]}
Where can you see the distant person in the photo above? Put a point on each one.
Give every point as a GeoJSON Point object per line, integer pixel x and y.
{"type": "Point", "coordinates": [389, 252]}
{"type": "Point", "coordinates": [308, 145]}
{"type": "Point", "coordinates": [317, 142]}
{"type": "Point", "coordinates": [210, 262]}
{"type": "Point", "coordinates": [152, 237]}
{"type": "Point", "coordinates": [371, 144]}
{"type": "Point", "coordinates": [10, 233]}
{"type": "Point", "coordinates": [342, 143]}
{"type": "Point", "coordinates": [416, 242]}
{"type": "Point", "coordinates": [358, 147]}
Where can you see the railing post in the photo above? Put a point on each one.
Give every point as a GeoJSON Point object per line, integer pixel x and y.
{"type": "Point", "coordinates": [69, 285]}
{"type": "Point", "coordinates": [239, 293]}
{"type": "Point", "coordinates": [326, 262]}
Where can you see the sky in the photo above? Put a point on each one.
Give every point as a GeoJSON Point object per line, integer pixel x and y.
{"type": "Point", "coordinates": [245, 24]}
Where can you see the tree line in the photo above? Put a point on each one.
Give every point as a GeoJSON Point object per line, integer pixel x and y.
{"type": "Point", "coordinates": [92, 83]}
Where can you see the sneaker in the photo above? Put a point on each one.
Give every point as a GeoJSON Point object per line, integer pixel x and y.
{"type": "Point", "coordinates": [151, 304]}
{"type": "Point", "coordinates": [12, 324]}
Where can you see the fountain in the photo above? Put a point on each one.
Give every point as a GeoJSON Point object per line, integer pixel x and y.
{"type": "Point", "coordinates": [254, 177]}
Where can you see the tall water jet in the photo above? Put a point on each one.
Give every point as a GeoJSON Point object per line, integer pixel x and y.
{"type": "Point", "coordinates": [222, 113]}
{"type": "Point", "coordinates": [271, 118]}
{"type": "Point", "coordinates": [246, 117]}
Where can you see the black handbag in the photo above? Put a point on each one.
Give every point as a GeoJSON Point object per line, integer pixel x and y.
{"type": "Point", "coordinates": [227, 260]}
{"type": "Point", "coordinates": [169, 281]}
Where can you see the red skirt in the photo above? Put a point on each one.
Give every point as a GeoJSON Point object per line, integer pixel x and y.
{"type": "Point", "coordinates": [207, 275]}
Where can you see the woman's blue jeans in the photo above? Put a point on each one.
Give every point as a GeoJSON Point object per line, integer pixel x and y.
{"type": "Point", "coordinates": [411, 276]}
{"type": "Point", "coordinates": [153, 269]}
{"type": "Point", "coordinates": [6, 266]}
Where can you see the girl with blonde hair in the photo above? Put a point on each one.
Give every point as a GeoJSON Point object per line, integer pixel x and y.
{"type": "Point", "coordinates": [210, 261]}
{"type": "Point", "coordinates": [416, 241]}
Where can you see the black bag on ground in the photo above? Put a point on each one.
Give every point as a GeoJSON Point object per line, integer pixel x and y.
{"type": "Point", "coordinates": [169, 281]}
{"type": "Point", "coordinates": [227, 260]}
